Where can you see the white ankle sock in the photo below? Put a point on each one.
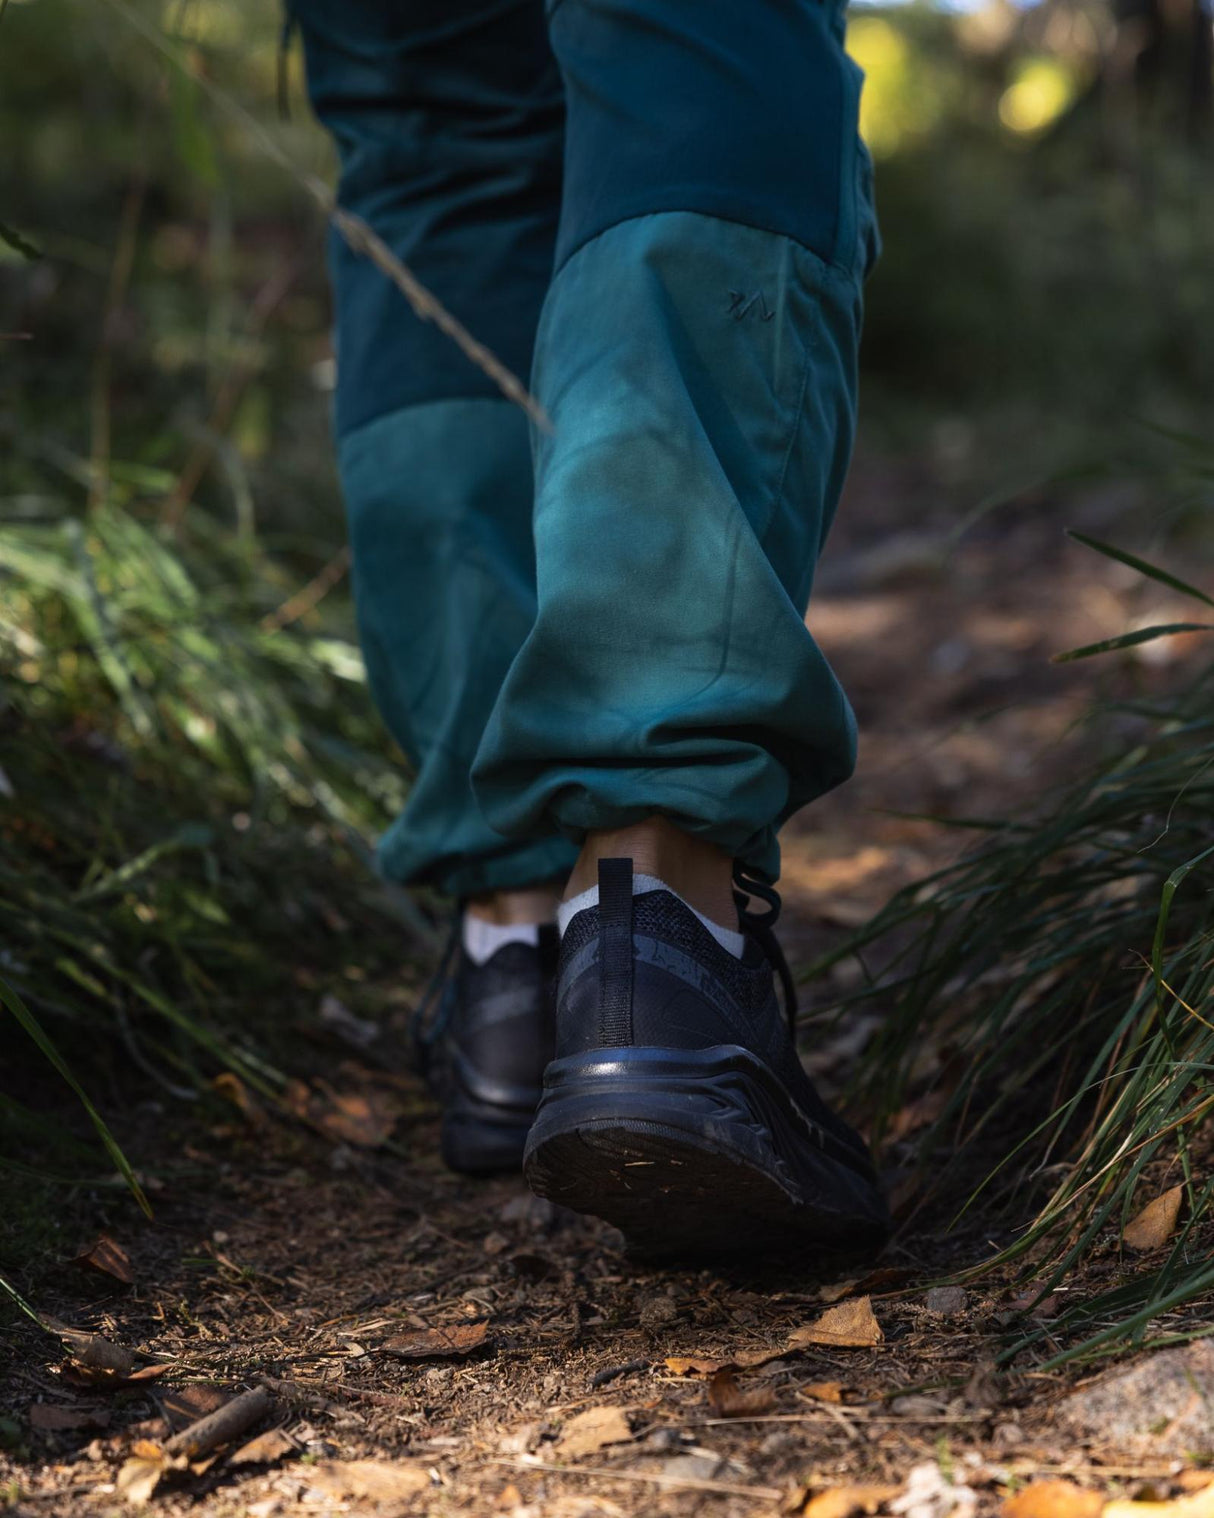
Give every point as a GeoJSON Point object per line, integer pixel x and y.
{"type": "Point", "coordinates": [729, 939]}
{"type": "Point", "coordinates": [483, 939]}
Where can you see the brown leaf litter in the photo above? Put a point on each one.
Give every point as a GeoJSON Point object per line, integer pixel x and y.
{"type": "Point", "coordinates": [848, 1325]}
{"type": "Point", "coordinates": [364, 1118]}
{"type": "Point", "coordinates": [437, 1343]}
{"type": "Point", "coordinates": [1156, 1223]}
{"type": "Point", "coordinates": [591, 1431]}
{"type": "Point", "coordinates": [107, 1257]}
{"type": "Point", "coordinates": [727, 1399]}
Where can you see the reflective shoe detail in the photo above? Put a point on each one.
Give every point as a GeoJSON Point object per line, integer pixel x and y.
{"type": "Point", "coordinates": [490, 1057]}
{"type": "Point", "coordinates": [678, 1109]}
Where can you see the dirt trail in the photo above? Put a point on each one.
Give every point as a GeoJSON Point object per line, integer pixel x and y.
{"type": "Point", "coordinates": [490, 1357]}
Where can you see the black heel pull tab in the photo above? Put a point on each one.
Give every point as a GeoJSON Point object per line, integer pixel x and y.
{"type": "Point", "coordinates": [615, 951]}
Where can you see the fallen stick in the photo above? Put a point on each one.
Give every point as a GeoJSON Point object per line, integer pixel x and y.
{"type": "Point", "coordinates": [221, 1426]}
{"type": "Point", "coordinates": [604, 1377]}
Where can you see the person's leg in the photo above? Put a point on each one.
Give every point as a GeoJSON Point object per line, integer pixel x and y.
{"type": "Point", "coordinates": [697, 355]}
{"type": "Point", "coordinates": [448, 118]}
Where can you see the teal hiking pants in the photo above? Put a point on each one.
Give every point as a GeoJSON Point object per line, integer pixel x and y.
{"type": "Point", "coordinates": [659, 212]}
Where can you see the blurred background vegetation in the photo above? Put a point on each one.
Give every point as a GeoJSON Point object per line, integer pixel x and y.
{"type": "Point", "coordinates": [190, 769]}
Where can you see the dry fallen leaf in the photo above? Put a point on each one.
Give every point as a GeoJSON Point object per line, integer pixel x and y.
{"type": "Point", "coordinates": [728, 1400]}
{"type": "Point", "coordinates": [846, 1501]}
{"type": "Point", "coordinates": [849, 1325]}
{"type": "Point", "coordinates": [823, 1391]}
{"type": "Point", "coordinates": [742, 1359]}
{"type": "Point", "coordinates": [233, 1089]}
{"type": "Point", "coordinates": [140, 1475]}
{"type": "Point", "coordinates": [836, 1290]}
{"type": "Point", "coordinates": [264, 1449]}
{"type": "Point", "coordinates": [1155, 1224]}
{"type": "Point", "coordinates": [95, 1360]}
{"type": "Point", "coordinates": [430, 1343]}
{"type": "Point", "coordinates": [1037, 1306]}
{"type": "Point", "coordinates": [884, 1278]}
{"type": "Point", "coordinates": [591, 1431]}
{"type": "Point", "coordinates": [1191, 1505]}
{"type": "Point", "coordinates": [107, 1258]}
{"type": "Point", "coordinates": [365, 1118]}
{"type": "Point", "coordinates": [49, 1415]}
{"type": "Point", "coordinates": [378, 1481]}
{"type": "Point", "coordinates": [1053, 1499]}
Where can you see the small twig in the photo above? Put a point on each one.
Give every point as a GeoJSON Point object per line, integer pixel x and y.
{"type": "Point", "coordinates": [823, 1416]}
{"type": "Point", "coordinates": [1121, 1472]}
{"type": "Point", "coordinates": [353, 229]}
{"type": "Point", "coordinates": [265, 303]}
{"type": "Point", "coordinates": [120, 278]}
{"type": "Point", "coordinates": [379, 1399]}
{"type": "Point", "coordinates": [655, 1478]}
{"type": "Point", "coordinates": [603, 1377]}
{"type": "Point", "coordinates": [222, 1426]}
{"type": "Point", "coordinates": [845, 1423]}
{"type": "Point", "coordinates": [305, 600]}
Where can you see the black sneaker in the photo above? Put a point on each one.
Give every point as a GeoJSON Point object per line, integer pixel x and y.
{"type": "Point", "coordinates": [676, 1107]}
{"type": "Point", "coordinates": [485, 1050]}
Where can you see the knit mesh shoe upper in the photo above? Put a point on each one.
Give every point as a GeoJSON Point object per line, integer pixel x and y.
{"type": "Point", "coordinates": [697, 995]}
{"type": "Point", "coordinates": [676, 1106]}
{"type": "Point", "coordinates": [494, 1048]}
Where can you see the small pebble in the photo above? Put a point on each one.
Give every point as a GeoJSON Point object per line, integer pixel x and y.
{"type": "Point", "coordinates": [946, 1301]}
{"type": "Point", "coordinates": [657, 1311]}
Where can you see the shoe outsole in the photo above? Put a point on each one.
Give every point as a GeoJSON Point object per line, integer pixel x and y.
{"type": "Point", "coordinates": [697, 1155]}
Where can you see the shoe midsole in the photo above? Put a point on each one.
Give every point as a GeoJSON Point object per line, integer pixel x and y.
{"type": "Point", "coordinates": [724, 1097]}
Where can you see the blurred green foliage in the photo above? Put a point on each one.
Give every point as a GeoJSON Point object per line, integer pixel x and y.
{"type": "Point", "coordinates": [1046, 247]}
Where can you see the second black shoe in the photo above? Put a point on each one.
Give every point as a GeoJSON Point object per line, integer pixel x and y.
{"type": "Point", "coordinates": [676, 1107]}
{"type": "Point", "coordinates": [486, 1049]}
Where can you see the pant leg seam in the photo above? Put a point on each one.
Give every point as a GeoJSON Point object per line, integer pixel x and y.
{"type": "Point", "coordinates": [830, 265]}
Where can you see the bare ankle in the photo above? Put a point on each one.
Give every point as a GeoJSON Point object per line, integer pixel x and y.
{"type": "Point", "coordinates": [699, 871]}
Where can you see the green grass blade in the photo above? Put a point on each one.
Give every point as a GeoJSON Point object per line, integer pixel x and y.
{"type": "Point", "coordinates": [20, 1301]}
{"type": "Point", "coordinates": [1152, 571]}
{"type": "Point", "coordinates": [1170, 887]}
{"type": "Point", "coordinates": [31, 1025]}
{"type": "Point", "coordinates": [1130, 639]}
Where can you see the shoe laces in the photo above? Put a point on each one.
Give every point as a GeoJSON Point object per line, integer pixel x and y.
{"type": "Point", "coordinates": [432, 1015]}
{"type": "Point", "coordinates": [761, 927]}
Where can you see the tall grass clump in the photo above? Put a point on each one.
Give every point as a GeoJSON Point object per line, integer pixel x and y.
{"type": "Point", "coordinates": [191, 767]}
{"type": "Point", "coordinates": [1053, 992]}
